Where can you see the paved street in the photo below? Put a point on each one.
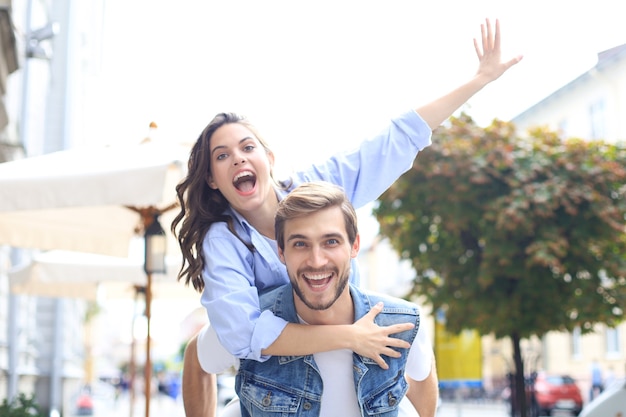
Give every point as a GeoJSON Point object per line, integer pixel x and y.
{"type": "Point", "coordinates": [162, 406]}
{"type": "Point", "coordinates": [166, 407]}
{"type": "Point", "coordinates": [479, 409]}
{"type": "Point", "coordinates": [451, 409]}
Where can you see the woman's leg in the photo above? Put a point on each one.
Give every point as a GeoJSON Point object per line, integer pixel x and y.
{"type": "Point", "coordinates": [199, 388]}
{"type": "Point", "coordinates": [204, 358]}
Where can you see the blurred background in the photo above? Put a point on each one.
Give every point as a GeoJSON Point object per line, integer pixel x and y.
{"type": "Point", "coordinates": [316, 78]}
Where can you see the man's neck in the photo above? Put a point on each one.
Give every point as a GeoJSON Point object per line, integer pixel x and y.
{"type": "Point", "coordinates": [341, 312]}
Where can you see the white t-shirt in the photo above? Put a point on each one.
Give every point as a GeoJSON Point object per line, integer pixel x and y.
{"type": "Point", "coordinates": [339, 395]}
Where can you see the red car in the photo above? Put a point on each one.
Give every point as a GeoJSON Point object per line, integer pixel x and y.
{"type": "Point", "coordinates": [556, 392]}
{"type": "Point", "coordinates": [84, 405]}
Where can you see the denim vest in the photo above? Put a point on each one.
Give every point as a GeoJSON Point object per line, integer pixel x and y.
{"type": "Point", "coordinates": [292, 386]}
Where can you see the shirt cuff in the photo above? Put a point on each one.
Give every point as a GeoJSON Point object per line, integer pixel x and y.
{"type": "Point", "coordinates": [268, 328]}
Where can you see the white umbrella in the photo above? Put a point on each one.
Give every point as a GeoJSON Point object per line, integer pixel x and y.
{"type": "Point", "coordinates": [92, 200]}
{"type": "Point", "coordinates": [90, 276]}
{"type": "Point", "coordinates": [59, 273]}
{"type": "Point", "coordinates": [78, 199]}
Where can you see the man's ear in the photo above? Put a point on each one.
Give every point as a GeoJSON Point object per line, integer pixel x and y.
{"type": "Point", "coordinates": [281, 255]}
{"type": "Point", "coordinates": [356, 246]}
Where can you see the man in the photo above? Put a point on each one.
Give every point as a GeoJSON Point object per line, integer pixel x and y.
{"type": "Point", "coordinates": [317, 237]}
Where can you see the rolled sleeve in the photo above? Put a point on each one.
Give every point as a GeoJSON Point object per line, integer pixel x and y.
{"type": "Point", "coordinates": [232, 301]}
{"type": "Point", "coordinates": [366, 172]}
{"type": "Point", "coordinates": [267, 330]}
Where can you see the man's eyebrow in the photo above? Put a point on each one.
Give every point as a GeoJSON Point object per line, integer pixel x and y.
{"type": "Point", "coordinates": [295, 236]}
{"type": "Point", "coordinates": [333, 235]}
{"type": "Point", "coordinates": [224, 146]}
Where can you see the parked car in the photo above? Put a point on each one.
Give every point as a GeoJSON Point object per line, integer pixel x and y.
{"type": "Point", "coordinates": [84, 404]}
{"type": "Point", "coordinates": [546, 393]}
{"type": "Point", "coordinates": [555, 392]}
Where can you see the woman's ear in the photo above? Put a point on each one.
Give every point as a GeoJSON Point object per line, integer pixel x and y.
{"type": "Point", "coordinates": [210, 182]}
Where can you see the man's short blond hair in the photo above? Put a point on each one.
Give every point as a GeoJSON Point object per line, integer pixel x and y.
{"type": "Point", "coordinates": [309, 198]}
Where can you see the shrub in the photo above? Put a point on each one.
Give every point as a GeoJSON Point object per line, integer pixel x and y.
{"type": "Point", "coordinates": [22, 406]}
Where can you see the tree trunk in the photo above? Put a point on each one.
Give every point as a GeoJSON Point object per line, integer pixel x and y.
{"type": "Point", "coordinates": [518, 391]}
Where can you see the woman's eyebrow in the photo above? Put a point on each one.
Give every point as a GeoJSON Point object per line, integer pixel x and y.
{"type": "Point", "coordinates": [224, 146]}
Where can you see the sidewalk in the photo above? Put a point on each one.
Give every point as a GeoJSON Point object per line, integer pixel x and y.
{"type": "Point", "coordinates": [164, 406]}
{"type": "Point", "coordinates": [160, 406]}
{"type": "Point", "coordinates": [473, 409]}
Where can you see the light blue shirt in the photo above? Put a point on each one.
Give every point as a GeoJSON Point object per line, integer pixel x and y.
{"type": "Point", "coordinates": [234, 275]}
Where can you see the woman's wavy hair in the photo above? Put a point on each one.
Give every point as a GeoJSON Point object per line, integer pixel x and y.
{"type": "Point", "coordinates": [201, 205]}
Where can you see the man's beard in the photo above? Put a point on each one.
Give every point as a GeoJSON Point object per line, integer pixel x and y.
{"type": "Point", "coordinates": [343, 281]}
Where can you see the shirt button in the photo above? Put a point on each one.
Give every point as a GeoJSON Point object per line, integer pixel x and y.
{"type": "Point", "coordinates": [307, 406]}
{"type": "Point", "coordinates": [266, 401]}
{"type": "Point", "coordinates": [392, 400]}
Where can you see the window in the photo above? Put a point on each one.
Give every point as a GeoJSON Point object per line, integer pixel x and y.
{"type": "Point", "coordinates": [597, 118]}
{"type": "Point", "coordinates": [612, 342]}
{"type": "Point", "coordinates": [576, 349]}
{"type": "Point", "coordinates": [563, 128]}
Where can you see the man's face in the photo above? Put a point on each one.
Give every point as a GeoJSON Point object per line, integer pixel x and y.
{"type": "Point", "coordinates": [317, 255]}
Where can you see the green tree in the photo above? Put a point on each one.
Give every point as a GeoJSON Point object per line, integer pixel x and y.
{"type": "Point", "coordinates": [513, 237]}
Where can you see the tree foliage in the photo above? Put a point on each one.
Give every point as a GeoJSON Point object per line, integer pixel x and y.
{"type": "Point", "coordinates": [512, 236]}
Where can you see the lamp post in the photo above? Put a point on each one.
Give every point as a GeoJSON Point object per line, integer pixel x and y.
{"type": "Point", "coordinates": [155, 241]}
{"type": "Point", "coordinates": [154, 263]}
{"type": "Point", "coordinates": [132, 366]}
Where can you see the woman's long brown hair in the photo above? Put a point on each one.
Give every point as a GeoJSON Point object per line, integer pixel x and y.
{"type": "Point", "coordinates": [201, 205]}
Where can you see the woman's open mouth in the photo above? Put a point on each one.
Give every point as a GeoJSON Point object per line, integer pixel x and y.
{"type": "Point", "coordinates": [245, 182]}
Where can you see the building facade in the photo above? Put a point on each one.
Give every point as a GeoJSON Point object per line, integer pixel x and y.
{"type": "Point", "coordinates": [42, 81]}
{"type": "Point", "coordinates": [592, 107]}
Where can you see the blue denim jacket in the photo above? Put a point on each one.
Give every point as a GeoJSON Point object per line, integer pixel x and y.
{"type": "Point", "coordinates": [292, 386]}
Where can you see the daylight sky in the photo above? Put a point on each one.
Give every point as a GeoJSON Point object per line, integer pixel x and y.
{"type": "Point", "coordinates": [320, 76]}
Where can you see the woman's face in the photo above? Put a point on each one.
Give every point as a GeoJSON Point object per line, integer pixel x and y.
{"type": "Point", "coordinates": [240, 167]}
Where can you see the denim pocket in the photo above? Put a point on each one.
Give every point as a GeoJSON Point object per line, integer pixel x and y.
{"type": "Point", "coordinates": [264, 397]}
{"type": "Point", "coordinates": [387, 396]}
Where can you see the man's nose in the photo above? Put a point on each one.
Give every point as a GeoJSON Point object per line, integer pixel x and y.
{"type": "Point", "coordinates": [317, 258]}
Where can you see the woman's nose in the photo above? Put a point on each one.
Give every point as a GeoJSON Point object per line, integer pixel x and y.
{"type": "Point", "coordinates": [239, 159]}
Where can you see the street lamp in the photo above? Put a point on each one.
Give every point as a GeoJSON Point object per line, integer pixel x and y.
{"type": "Point", "coordinates": [154, 263]}
{"type": "Point", "coordinates": [155, 239]}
